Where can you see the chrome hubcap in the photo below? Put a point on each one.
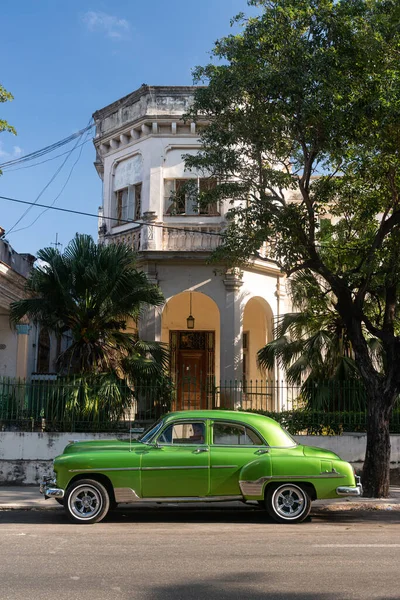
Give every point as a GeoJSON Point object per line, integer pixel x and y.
{"type": "Point", "coordinates": [85, 502]}
{"type": "Point", "coordinates": [289, 502]}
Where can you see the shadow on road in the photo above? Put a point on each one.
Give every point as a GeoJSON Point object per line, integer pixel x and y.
{"type": "Point", "coordinates": [237, 586]}
{"type": "Point", "coordinates": [190, 514]}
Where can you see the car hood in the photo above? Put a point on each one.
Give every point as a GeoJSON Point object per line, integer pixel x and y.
{"type": "Point", "coordinates": [98, 445]}
{"type": "Point", "coordinates": [314, 452]}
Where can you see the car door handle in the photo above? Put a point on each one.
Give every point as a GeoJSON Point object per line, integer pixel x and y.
{"type": "Point", "coordinates": [198, 450]}
{"type": "Point", "coordinates": [262, 451]}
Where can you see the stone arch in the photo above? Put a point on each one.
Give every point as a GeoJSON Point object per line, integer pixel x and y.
{"type": "Point", "coordinates": [195, 353]}
{"type": "Point", "coordinates": [257, 328]}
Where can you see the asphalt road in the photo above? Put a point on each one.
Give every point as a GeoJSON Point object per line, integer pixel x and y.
{"type": "Point", "coordinates": [189, 553]}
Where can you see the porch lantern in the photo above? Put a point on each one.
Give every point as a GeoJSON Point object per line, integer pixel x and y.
{"type": "Point", "coordinates": [190, 319]}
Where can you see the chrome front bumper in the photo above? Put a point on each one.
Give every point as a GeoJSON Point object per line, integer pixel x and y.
{"type": "Point", "coordinates": [48, 489]}
{"type": "Point", "coordinates": [344, 490]}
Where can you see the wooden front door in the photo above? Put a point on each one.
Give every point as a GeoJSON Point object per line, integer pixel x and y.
{"type": "Point", "coordinates": [191, 379]}
{"type": "Point", "coordinates": [192, 368]}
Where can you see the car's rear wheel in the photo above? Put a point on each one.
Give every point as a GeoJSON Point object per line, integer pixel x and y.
{"type": "Point", "coordinates": [86, 501]}
{"type": "Point", "coordinates": [288, 503]}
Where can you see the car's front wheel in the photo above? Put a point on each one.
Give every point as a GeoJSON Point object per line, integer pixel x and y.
{"type": "Point", "coordinates": [86, 501]}
{"type": "Point", "coordinates": [288, 503]}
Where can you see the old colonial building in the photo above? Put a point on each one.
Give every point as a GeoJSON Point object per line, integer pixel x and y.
{"type": "Point", "coordinates": [214, 320]}
{"type": "Point", "coordinates": [16, 352]}
{"type": "Point", "coordinates": [27, 351]}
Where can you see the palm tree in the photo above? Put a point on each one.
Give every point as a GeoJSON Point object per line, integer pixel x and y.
{"type": "Point", "coordinates": [93, 292]}
{"type": "Point", "coordinates": [312, 347]}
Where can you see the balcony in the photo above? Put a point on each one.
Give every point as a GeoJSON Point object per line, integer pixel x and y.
{"type": "Point", "coordinates": [131, 238]}
{"type": "Point", "coordinates": [195, 239]}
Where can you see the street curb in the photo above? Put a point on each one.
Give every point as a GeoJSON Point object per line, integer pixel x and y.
{"type": "Point", "coordinates": [354, 507]}
{"type": "Point", "coordinates": [331, 506]}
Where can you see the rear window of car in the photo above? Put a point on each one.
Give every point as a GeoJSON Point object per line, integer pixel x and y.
{"type": "Point", "coordinates": [234, 434]}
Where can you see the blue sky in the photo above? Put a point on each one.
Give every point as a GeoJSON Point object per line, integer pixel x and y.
{"type": "Point", "coordinates": [64, 60]}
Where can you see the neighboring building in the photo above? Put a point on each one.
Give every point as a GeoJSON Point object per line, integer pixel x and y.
{"type": "Point", "coordinates": [15, 343]}
{"type": "Point", "coordinates": [140, 140]}
{"type": "Point", "coordinates": [26, 350]}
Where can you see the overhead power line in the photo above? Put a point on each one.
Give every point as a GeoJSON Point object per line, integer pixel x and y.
{"type": "Point", "coordinates": [46, 149]}
{"type": "Point", "coordinates": [62, 189]}
{"type": "Point", "coordinates": [59, 169]}
{"type": "Point", "coordinates": [47, 159]}
{"type": "Point", "coordinates": [120, 221]}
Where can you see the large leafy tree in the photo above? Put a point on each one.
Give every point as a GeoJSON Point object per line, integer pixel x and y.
{"type": "Point", "coordinates": [93, 292]}
{"type": "Point", "coordinates": [313, 348]}
{"type": "Point", "coordinates": [4, 125]}
{"type": "Point", "coordinates": [313, 87]}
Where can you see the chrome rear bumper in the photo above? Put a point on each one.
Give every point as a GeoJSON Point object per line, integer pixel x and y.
{"type": "Point", "coordinates": [344, 490]}
{"type": "Point", "coordinates": [48, 489]}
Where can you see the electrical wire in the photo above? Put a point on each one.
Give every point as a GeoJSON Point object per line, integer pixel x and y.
{"type": "Point", "coordinates": [47, 149]}
{"type": "Point", "coordinates": [51, 180]}
{"type": "Point", "coordinates": [135, 222]}
{"type": "Point", "coordinates": [47, 159]}
{"type": "Point", "coordinates": [120, 221]}
{"type": "Point", "coordinates": [59, 194]}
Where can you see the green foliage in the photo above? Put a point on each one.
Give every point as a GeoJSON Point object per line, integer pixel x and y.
{"type": "Point", "coordinates": [6, 97]}
{"type": "Point", "coordinates": [94, 292]}
{"type": "Point", "coordinates": [4, 125]}
{"type": "Point", "coordinates": [322, 422]}
{"type": "Point", "coordinates": [314, 349]}
{"type": "Point", "coordinates": [313, 87]}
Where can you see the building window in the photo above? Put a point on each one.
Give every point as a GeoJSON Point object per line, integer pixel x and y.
{"type": "Point", "coordinates": [128, 204]}
{"type": "Point", "coordinates": [183, 196]}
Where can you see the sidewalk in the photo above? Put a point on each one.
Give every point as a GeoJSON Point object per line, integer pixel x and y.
{"type": "Point", "coordinates": [29, 498]}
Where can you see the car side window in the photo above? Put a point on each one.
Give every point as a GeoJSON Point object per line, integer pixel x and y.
{"type": "Point", "coordinates": [183, 433]}
{"type": "Point", "coordinates": [230, 434]}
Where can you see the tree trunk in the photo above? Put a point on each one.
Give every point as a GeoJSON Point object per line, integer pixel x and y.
{"type": "Point", "coordinates": [376, 471]}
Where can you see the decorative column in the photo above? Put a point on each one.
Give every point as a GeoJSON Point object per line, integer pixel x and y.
{"type": "Point", "coordinates": [231, 372]}
{"type": "Point", "coordinates": [22, 350]}
{"type": "Point", "coordinates": [281, 400]}
{"type": "Point", "coordinates": [150, 320]}
{"type": "Point", "coordinates": [148, 239]}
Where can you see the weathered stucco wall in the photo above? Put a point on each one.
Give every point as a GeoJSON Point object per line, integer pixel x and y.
{"type": "Point", "coordinates": [26, 457]}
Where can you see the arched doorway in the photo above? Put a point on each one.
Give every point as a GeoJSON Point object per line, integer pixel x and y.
{"type": "Point", "coordinates": [194, 348]}
{"type": "Point", "coordinates": [258, 384]}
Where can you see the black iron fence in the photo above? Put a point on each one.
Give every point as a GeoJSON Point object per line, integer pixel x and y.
{"type": "Point", "coordinates": [103, 404]}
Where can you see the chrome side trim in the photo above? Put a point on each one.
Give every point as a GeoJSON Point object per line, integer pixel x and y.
{"type": "Point", "coordinates": [174, 468]}
{"type": "Point", "coordinates": [96, 469]}
{"type": "Point", "coordinates": [102, 469]}
{"type": "Point", "coordinates": [224, 466]}
{"type": "Point", "coordinates": [255, 488]}
{"type": "Point", "coordinates": [129, 496]}
{"type": "Point", "coordinates": [195, 499]}
{"type": "Point", "coordinates": [125, 495]}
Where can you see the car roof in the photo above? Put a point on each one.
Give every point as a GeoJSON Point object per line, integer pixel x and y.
{"type": "Point", "coordinates": [254, 419]}
{"type": "Point", "coordinates": [267, 427]}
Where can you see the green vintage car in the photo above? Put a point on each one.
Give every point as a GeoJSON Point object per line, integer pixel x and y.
{"type": "Point", "coordinates": [192, 456]}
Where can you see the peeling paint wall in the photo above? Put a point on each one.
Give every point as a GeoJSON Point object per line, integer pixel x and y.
{"type": "Point", "coordinates": [27, 457]}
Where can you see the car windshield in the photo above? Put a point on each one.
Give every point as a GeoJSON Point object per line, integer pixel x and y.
{"type": "Point", "coordinates": [147, 436]}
